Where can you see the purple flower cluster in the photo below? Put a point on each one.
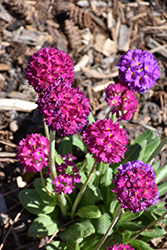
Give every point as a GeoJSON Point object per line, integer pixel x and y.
{"type": "Point", "coordinates": [135, 186]}
{"type": "Point", "coordinates": [120, 247]}
{"type": "Point", "coordinates": [65, 109]}
{"type": "Point", "coordinates": [122, 100]}
{"type": "Point", "coordinates": [47, 66]}
{"type": "Point", "coordinates": [138, 70]}
{"type": "Point", "coordinates": [68, 174]}
{"type": "Point", "coordinates": [33, 152]}
{"type": "Point", "coordinates": [106, 141]}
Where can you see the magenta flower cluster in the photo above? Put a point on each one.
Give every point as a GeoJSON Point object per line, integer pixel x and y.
{"type": "Point", "coordinates": [65, 109]}
{"type": "Point", "coordinates": [33, 152]}
{"type": "Point", "coordinates": [135, 186]}
{"type": "Point", "coordinates": [67, 175]}
{"type": "Point", "coordinates": [122, 100]}
{"type": "Point", "coordinates": [47, 66]}
{"type": "Point", "coordinates": [138, 70]}
{"type": "Point", "coordinates": [120, 247]}
{"type": "Point", "coordinates": [106, 141]}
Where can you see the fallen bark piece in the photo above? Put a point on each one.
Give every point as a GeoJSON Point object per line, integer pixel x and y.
{"type": "Point", "coordinates": [18, 105]}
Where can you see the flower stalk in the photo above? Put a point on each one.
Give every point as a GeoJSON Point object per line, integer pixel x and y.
{"type": "Point", "coordinates": [61, 198]}
{"type": "Point", "coordinates": [115, 219]}
{"type": "Point", "coordinates": [79, 196]}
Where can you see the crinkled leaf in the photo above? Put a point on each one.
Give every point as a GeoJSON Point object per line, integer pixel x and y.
{"type": "Point", "coordinates": [157, 150]}
{"type": "Point", "coordinates": [106, 177]}
{"type": "Point", "coordinates": [102, 224]}
{"type": "Point", "coordinates": [113, 205]}
{"type": "Point", "coordinates": [154, 233]}
{"type": "Point", "coordinates": [88, 198]}
{"type": "Point", "coordinates": [78, 231]}
{"type": "Point", "coordinates": [140, 245]}
{"type": "Point", "coordinates": [65, 146]}
{"type": "Point", "coordinates": [90, 212]}
{"type": "Point", "coordinates": [90, 242]}
{"type": "Point", "coordinates": [42, 226]}
{"type": "Point", "coordinates": [131, 226]}
{"type": "Point", "coordinates": [56, 245]}
{"type": "Point", "coordinates": [78, 143]}
{"type": "Point", "coordinates": [146, 135]}
{"type": "Point", "coordinates": [161, 174]}
{"type": "Point", "coordinates": [89, 162]}
{"type": "Point", "coordinates": [91, 118]}
{"type": "Point", "coordinates": [31, 201]}
{"type": "Point", "coordinates": [156, 166]}
{"type": "Point", "coordinates": [128, 216]}
{"type": "Point", "coordinates": [151, 146]}
{"type": "Point", "coordinates": [41, 190]}
{"type": "Point", "coordinates": [162, 188]}
{"type": "Point", "coordinates": [72, 245]}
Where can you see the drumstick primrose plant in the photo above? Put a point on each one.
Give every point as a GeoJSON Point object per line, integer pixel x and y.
{"type": "Point", "coordinates": [109, 199]}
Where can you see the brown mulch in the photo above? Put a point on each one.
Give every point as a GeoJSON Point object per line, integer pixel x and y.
{"type": "Point", "coordinates": [95, 34]}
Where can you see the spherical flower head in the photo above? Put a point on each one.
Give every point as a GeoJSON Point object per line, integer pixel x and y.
{"type": "Point", "coordinates": [65, 109]}
{"type": "Point", "coordinates": [122, 100]}
{"type": "Point", "coordinates": [33, 152]}
{"type": "Point", "coordinates": [68, 174]}
{"type": "Point", "coordinates": [47, 67]}
{"type": "Point", "coordinates": [135, 186]}
{"type": "Point", "coordinates": [106, 141]}
{"type": "Point", "coordinates": [138, 70]}
{"type": "Point", "coordinates": [120, 247]}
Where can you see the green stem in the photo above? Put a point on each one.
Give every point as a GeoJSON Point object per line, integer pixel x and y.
{"type": "Point", "coordinates": [51, 154]}
{"type": "Point", "coordinates": [46, 130]}
{"type": "Point", "coordinates": [61, 198]}
{"type": "Point", "coordinates": [82, 191]}
{"type": "Point", "coordinates": [116, 217]}
{"type": "Point", "coordinates": [148, 226]}
{"type": "Point", "coordinates": [43, 184]}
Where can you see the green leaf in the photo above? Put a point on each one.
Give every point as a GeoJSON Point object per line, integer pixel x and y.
{"type": "Point", "coordinates": [142, 151]}
{"type": "Point", "coordinates": [140, 245]}
{"type": "Point", "coordinates": [89, 162]}
{"type": "Point", "coordinates": [31, 201]}
{"type": "Point", "coordinates": [88, 198]}
{"type": "Point", "coordinates": [42, 226]}
{"type": "Point", "coordinates": [132, 153]}
{"type": "Point", "coordinates": [146, 135]}
{"type": "Point", "coordinates": [78, 231]}
{"type": "Point", "coordinates": [151, 146]}
{"type": "Point", "coordinates": [131, 226]}
{"type": "Point", "coordinates": [154, 233]}
{"type": "Point", "coordinates": [56, 245]}
{"type": "Point", "coordinates": [72, 245]}
{"type": "Point", "coordinates": [102, 224]}
{"type": "Point", "coordinates": [90, 212]}
{"type": "Point", "coordinates": [58, 159]}
{"type": "Point", "coordinates": [90, 242]}
{"type": "Point", "coordinates": [156, 166]}
{"type": "Point", "coordinates": [113, 205]}
{"type": "Point", "coordinates": [78, 143]}
{"type": "Point", "coordinates": [41, 190]}
{"type": "Point", "coordinates": [65, 146]}
{"type": "Point", "coordinates": [161, 174]}
{"type": "Point", "coordinates": [91, 118]}
{"type": "Point", "coordinates": [128, 216]}
{"type": "Point", "coordinates": [106, 177]}
{"type": "Point", "coordinates": [158, 149]}
{"type": "Point", "coordinates": [162, 188]}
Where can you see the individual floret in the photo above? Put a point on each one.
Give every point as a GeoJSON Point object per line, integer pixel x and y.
{"type": "Point", "coordinates": [135, 186]}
